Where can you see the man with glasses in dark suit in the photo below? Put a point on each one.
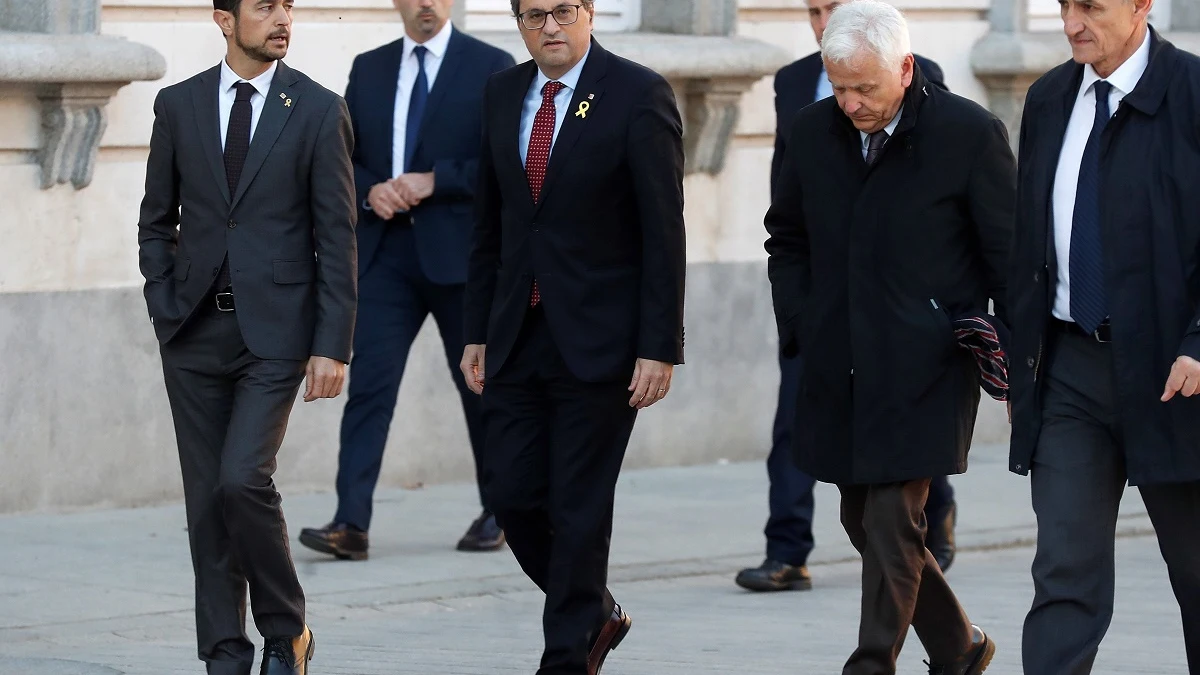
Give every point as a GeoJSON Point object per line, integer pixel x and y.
{"type": "Point", "coordinates": [574, 305]}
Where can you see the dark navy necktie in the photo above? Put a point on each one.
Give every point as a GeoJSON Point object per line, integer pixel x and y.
{"type": "Point", "coordinates": [416, 108]}
{"type": "Point", "coordinates": [1089, 306]}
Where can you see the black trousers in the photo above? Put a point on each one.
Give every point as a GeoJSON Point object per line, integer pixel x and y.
{"type": "Point", "coordinates": [394, 299]}
{"type": "Point", "coordinates": [555, 446]}
{"type": "Point", "coordinates": [231, 410]}
{"type": "Point", "coordinates": [902, 584]}
{"type": "Point", "coordinates": [1077, 480]}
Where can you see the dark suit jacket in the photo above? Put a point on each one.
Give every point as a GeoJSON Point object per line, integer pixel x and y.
{"type": "Point", "coordinates": [869, 266]}
{"type": "Point", "coordinates": [796, 87]}
{"type": "Point", "coordinates": [288, 229]}
{"type": "Point", "coordinates": [448, 144]}
{"type": "Point", "coordinates": [1150, 158]}
{"type": "Point", "coordinates": [606, 238]}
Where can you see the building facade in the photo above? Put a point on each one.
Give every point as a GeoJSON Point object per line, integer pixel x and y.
{"type": "Point", "coordinates": [83, 414]}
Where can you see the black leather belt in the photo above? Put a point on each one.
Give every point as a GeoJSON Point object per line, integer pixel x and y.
{"type": "Point", "coordinates": [1103, 334]}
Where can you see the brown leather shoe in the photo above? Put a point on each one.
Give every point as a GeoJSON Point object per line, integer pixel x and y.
{"type": "Point", "coordinates": [284, 656]}
{"type": "Point", "coordinates": [773, 575]}
{"type": "Point", "coordinates": [974, 662]}
{"type": "Point", "coordinates": [614, 630]}
{"type": "Point", "coordinates": [336, 539]}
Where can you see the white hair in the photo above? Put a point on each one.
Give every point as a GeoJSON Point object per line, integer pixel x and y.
{"type": "Point", "coordinates": [868, 26]}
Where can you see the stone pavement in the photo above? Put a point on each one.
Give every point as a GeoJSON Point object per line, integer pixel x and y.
{"type": "Point", "coordinates": [109, 592]}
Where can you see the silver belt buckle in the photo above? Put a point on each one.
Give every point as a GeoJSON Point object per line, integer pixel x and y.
{"type": "Point", "coordinates": [225, 302]}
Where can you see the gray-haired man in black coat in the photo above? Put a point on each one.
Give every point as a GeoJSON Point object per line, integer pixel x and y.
{"type": "Point", "coordinates": [892, 216]}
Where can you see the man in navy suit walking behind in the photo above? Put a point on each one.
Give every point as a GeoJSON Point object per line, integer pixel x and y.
{"type": "Point", "coordinates": [416, 105]}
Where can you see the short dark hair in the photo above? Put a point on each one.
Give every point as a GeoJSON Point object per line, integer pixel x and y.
{"type": "Point", "coordinates": [516, 5]}
{"type": "Point", "coordinates": [230, 6]}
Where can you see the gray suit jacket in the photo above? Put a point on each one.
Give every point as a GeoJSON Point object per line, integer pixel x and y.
{"type": "Point", "coordinates": [288, 229]}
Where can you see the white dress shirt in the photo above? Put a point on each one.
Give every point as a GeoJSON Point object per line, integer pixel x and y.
{"type": "Point", "coordinates": [824, 86]}
{"type": "Point", "coordinates": [1066, 178]}
{"type": "Point", "coordinates": [227, 95]}
{"type": "Point", "coordinates": [890, 129]}
{"type": "Point", "coordinates": [409, 65]}
{"type": "Point", "coordinates": [533, 101]}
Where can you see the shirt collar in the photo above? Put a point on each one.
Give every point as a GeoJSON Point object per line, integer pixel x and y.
{"type": "Point", "coordinates": [261, 84]}
{"type": "Point", "coordinates": [436, 45]}
{"type": "Point", "coordinates": [1126, 76]}
{"type": "Point", "coordinates": [890, 128]}
{"type": "Point", "coordinates": [570, 80]}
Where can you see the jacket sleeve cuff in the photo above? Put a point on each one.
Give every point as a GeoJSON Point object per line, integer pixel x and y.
{"type": "Point", "coordinates": [1190, 346]}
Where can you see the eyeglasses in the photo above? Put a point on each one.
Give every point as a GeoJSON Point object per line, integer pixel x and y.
{"type": "Point", "coordinates": [535, 19]}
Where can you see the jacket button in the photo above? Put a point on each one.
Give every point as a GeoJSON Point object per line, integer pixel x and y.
{"type": "Point", "coordinates": [1020, 468]}
{"type": "Point", "coordinates": [232, 224]}
{"type": "Point", "coordinates": [1037, 276]}
{"type": "Point", "coordinates": [1030, 362]}
{"type": "Point", "coordinates": [215, 271]}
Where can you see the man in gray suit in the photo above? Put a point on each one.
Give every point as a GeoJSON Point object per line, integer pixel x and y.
{"type": "Point", "coordinates": [247, 245]}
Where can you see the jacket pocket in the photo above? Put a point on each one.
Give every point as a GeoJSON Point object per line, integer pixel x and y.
{"type": "Point", "coordinates": [182, 265]}
{"type": "Point", "coordinates": [294, 271]}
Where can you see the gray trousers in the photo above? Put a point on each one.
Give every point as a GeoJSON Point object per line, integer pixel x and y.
{"type": "Point", "coordinates": [1078, 477]}
{"type": "Point", "coordinates": [230, 411]}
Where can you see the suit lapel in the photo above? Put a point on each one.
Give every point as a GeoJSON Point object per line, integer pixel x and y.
{"type": "Point", "coordinates": [278, 107]}
{"type": "Point", "coordinates": [1057, 116]}
{"type": "Point", "coordinates": [589, 90]}
{"type": "Point", "coordinates": [208, 125]}
{"type": "Point", "coordinates": [447, 78]}
{"type": "Point", "coordinates": [508, 119]}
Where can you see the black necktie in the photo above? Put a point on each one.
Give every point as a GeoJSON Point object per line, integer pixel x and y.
{"type": "Point", "coordinates": [1089, 306]}
{"type": "Point", "coordinates": [237, 145]}
{"type": "Point", "coordinates": [875, 143]}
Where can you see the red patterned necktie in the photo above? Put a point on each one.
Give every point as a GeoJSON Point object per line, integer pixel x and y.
{"type": "Point", "coordinates": [538, 155]}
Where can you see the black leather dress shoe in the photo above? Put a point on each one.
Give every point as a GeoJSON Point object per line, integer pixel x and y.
{"type": "Point", "coordinates": [611, 635]}
{"type": "Point", "coordinates": [974, 662]}
{"type": "Point", "coordinates": [483, 535]}
{"type": "Point", "coordinates": [939, 538]}
{"type": "Point", "coordinates": [336, 539]}
{"type": "Point", "coordinates": [773, 575]}
{"type": "Point", "coordinates": [288, 656]}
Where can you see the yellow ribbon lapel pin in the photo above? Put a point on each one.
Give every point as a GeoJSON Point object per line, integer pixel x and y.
{"type": "Point", "coordinates": [583, 109]}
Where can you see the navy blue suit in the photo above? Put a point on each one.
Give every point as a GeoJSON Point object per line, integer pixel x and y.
{"type": "Point", "coordinates": [789, 527]}
{"type": "Point", "coordinates": [415, 264]}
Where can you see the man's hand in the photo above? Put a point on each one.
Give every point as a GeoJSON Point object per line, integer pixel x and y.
{"type": "Point", "coordinates": [325, 378]}
{"type": "Point", "coordinates": [385, 200]}
{"type": "Point", "coordinates": [651, 382]}
{"type": "Point", "coordinates": [414, 187]}
{"type": "Point", "coordinates": [472, 367]}
{"type": "Point", "coordinates": [1184, 379]}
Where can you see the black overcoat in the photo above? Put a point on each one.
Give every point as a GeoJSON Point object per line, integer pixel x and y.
{"type": "Point", "coordinates": [869, 266]}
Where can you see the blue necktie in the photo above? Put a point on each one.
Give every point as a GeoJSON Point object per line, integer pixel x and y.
{"type": "Point", "coordinates": [1089, 307]}
{"type": "Point", "coordinates": [416, 108]}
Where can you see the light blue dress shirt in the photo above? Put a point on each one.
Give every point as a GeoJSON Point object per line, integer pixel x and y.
{"type": "Point", "coordinates": [533, 101]}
